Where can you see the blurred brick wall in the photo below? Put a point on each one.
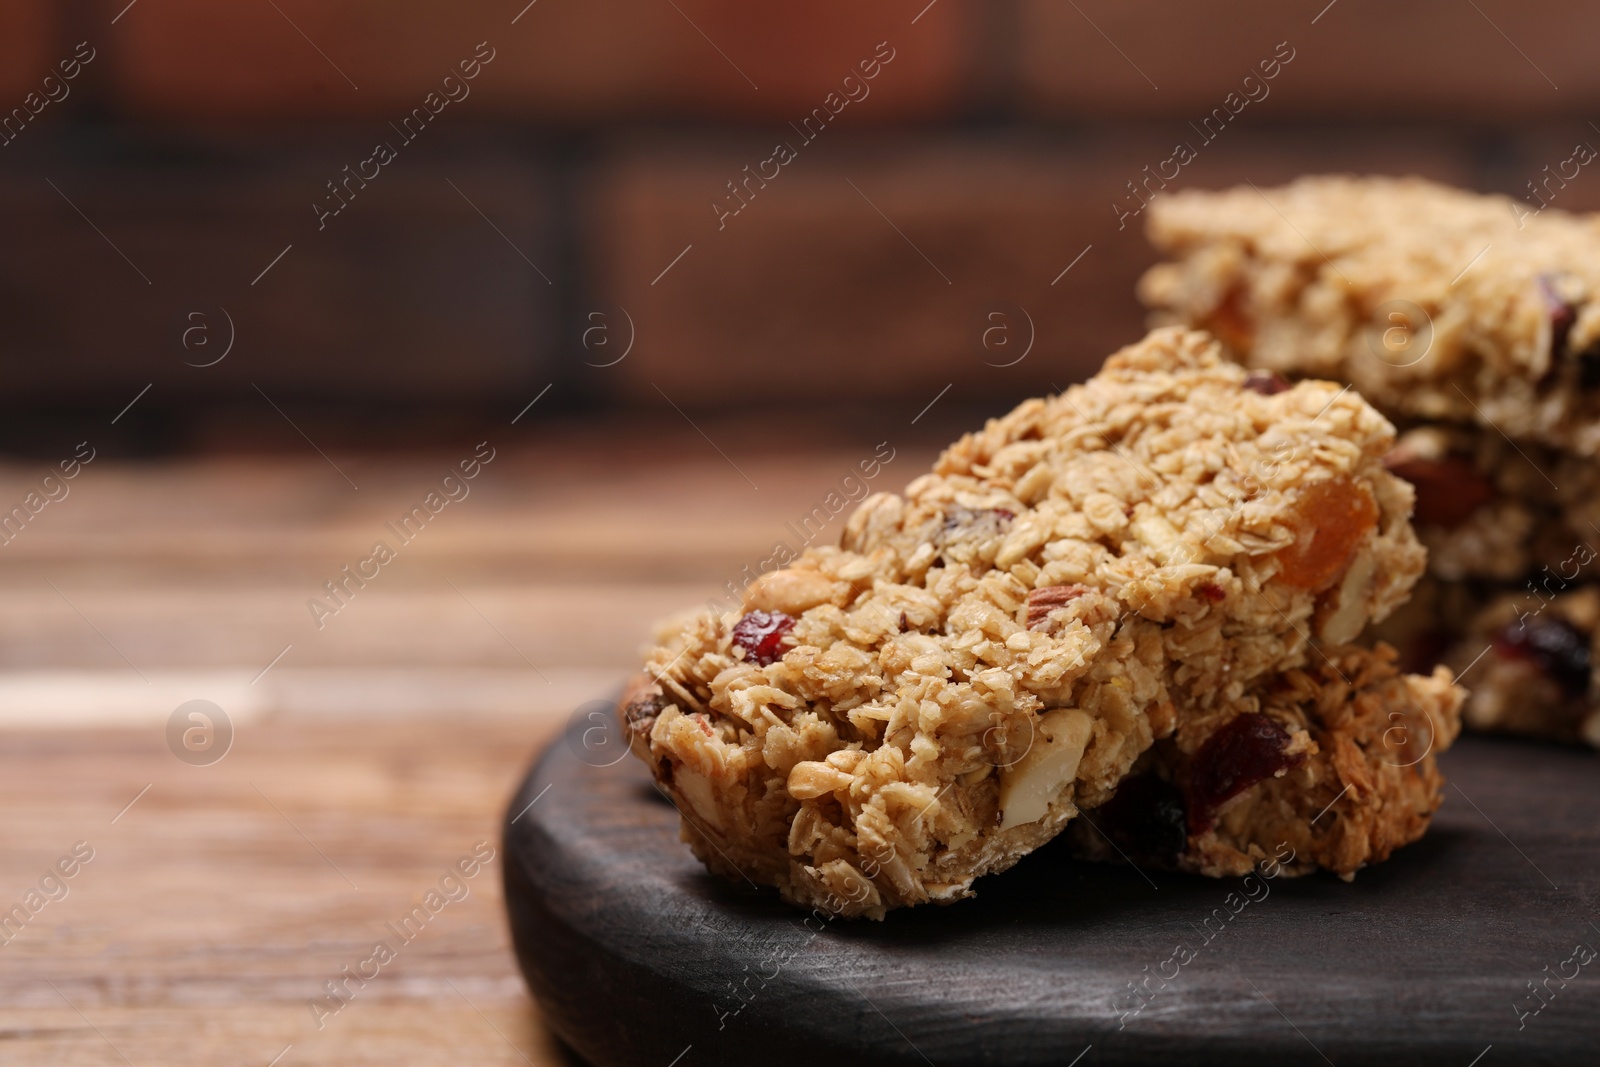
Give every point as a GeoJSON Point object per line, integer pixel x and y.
{"type": "Point", "coordinates": [598, 181]}
{"type": "Point", "coordinates": [25, 38]}
{"type": "Point", "coordinates": [565, 62]}
{"type": "Point", "coordinates": [1371, 59]}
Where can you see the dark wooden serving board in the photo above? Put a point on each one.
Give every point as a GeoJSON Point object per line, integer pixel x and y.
{"type": "Point", "coordinates": [638, 956]}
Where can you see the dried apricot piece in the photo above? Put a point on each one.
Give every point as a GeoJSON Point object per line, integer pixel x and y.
{"type": "Point", "coordinates": [1230, 323]}
{"type": "Point", "coordinates": [1330, 519]}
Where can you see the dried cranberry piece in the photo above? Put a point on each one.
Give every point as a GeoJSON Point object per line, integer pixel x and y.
{"type": "Point", "coordinates": [1449, 490]}
{"type": "Point", "coordinates": [1247, 749]}
{"type": "Point", "coordinates": [1212, 592]}
{"type": "Point", "coordinates": [1266, 382]}
{"type": "Point", "coordinates": [1145, 818]}
{"type": "Point", "coordinates": [1560, 312]}
{"type": "Point", "coordinates": [760, 634]}
{"type": "Point", "coordinates": [1555, 646]}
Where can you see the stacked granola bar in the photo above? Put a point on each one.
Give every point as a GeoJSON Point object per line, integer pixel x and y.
{"type": "Point", "coordinates": [1135, 597]}
{"type": "Point", "coordinates": [1475, 325]}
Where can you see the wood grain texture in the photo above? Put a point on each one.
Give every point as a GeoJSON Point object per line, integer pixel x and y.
{"type": "Point", "coordinates": [218, 905]}
{"type": "Point", "coordinates": [380, 749]}
{"type": "Point", "coordinates": [571, 543]}
{"type": "Point", "coordinates": [637, 955]}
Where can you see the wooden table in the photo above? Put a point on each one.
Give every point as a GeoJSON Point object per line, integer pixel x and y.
{"type": "Point", "coordinates": [368, 756]}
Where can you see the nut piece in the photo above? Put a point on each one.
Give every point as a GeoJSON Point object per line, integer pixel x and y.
{"type": "Point", "coordinates": [1051, 765]}
{"type": "Point", "coordinates": [813, 778]}
{"type": "Point", "coordinates": [791, 591]}
{"type": "Point", "coordinates": [1345, 612]}
{"type": "Point", "coordinates": [696, 790]}
{"type": "Point", "coordinates": [1041, 602]}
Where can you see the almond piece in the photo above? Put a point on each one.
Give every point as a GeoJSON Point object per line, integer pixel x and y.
{"type": "Point", "coordinates": [791, 591]}
{"type": "Point", "coordinates": [1344, 613]}
{"type": "Point", "coordinates": [813, 778]}
{"type": "Point", "coordinates": [696, 791]}
{"type": "Point", "coordinates": [1029, 785]}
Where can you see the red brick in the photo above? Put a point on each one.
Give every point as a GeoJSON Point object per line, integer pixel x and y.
{"type": "Point", "coordinates": [26, 47]}
{"type": "Point", "coordinates": [406, 295]}
{"type": "Point", "coordinates": [1361, 57]}
{"type": "Point", "coordinates": [561, 61]}
{"type": "Point", "coordinates": [810, 295]}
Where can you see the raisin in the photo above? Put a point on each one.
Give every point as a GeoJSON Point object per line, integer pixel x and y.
{"type": "Point", "coordinates": [1555, 646]}
{"type": "Point", "coordinates": [1145, 819]}
{"type": "Point", "coordinates": [1266, 382]}
{"type": "Point", "coordinates": [760, 634]}
{"type": "Point", "coordinates": [1449, 490]}
{"type": "Point", "coordinates": [976, 522]}
{"type": "Point", "coordinates": [640, 715]}
{"type": "Point", "coordinates": [972, 536]}
{"type": "Point", "coordinates": [1247, 749]}
{"type": "Point", "coordinates": [1041, 602]}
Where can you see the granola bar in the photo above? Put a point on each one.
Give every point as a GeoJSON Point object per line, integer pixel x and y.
{"type": "Point", "coordinates": [1338, 767]}
{"type": "Point", "coordinates": [1468, 318]}
{"type": "Point", "coordinates": [1502, 524]}
{"type": "Point", "coordinates": [1488, 510]}
{"type": "Point", "coordinates": [1532, 657]}
{"type": "Point", "coordinates": [1437, 304]}
{"type": "Point", "coordinates": [886, 721]}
